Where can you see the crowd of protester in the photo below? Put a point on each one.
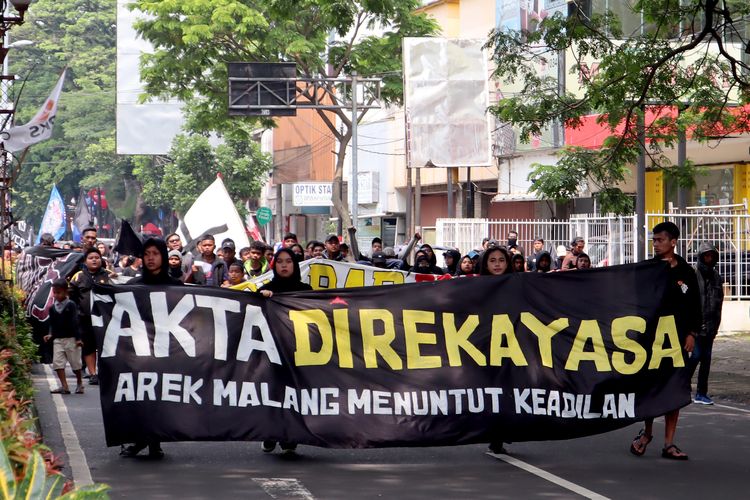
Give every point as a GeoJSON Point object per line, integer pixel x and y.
{"type": "Point", "coordinates": [168, 262]}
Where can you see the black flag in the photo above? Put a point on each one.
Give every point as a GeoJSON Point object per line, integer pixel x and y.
{"type": "Point", "coordinates": [128, 242]}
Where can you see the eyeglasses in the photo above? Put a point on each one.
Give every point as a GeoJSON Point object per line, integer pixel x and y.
{"type": "Point", "coordinates": [173, 241]}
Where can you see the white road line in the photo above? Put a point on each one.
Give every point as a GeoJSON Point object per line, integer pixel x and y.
{"type": "Point", "coordinates": [732, 408]}
{"type": "Point", "coordinates": [549, 477]}
{"type": "Point", "coordinates": [282, 487]}
{"type": "Point", "coordinates": [76, 458]}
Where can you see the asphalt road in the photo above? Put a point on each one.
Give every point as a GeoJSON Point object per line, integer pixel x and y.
{"type": "Point", "coordinates": [717, 439]}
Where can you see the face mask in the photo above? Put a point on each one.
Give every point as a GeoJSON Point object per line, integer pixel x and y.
{"type": "Point", "coordinates": [512, 241]}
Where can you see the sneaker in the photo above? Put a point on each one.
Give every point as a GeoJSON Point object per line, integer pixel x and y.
{"type": "Point", "coordinates": [268, 446]}
{"type": "Point", "coordinates": [94, 380]}
{"type": "Point", "coordinates": [702, 399]}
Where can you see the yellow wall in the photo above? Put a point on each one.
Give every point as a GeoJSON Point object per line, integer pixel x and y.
{"type": "Point", "coordinates": [447, 14]}
{"type": "Point", "coordinates": [741, 182]}
{"type": "Point", "coordinates": [655, 192]}
{"type": "Point", "coordinates": [477, 18]}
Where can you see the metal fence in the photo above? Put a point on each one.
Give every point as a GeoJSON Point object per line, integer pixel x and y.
{"type": "Point", "coordinates": [729, 233]}
{"type": "Point", "coordinates": [612, 240]}
{"type": "Point", "coordinates": [608, 239]}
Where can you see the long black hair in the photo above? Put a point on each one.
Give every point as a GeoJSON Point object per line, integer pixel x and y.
{"type": "Point", "coordinates": [486, 257]}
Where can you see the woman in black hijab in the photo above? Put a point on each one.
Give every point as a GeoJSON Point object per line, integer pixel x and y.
{"type": "Point", "coordinates": [286, 275]}
{"type": "Point", "coordinates": [155, 272]}
{"type": "Point", "coordinates": [286, 278]}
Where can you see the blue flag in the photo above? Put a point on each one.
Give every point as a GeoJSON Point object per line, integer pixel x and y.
{"type": "Point", "coordinates": [53, 221]}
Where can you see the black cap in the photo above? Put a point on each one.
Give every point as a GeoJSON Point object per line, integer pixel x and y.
{"type": "Point", "coordinates": [379, 257]}
{"type": "Point", "coordinates": [493, 243]}
{"type": "Point", "coordinates": [332, 237]}
{"type": "Point", "coordinates": [228, 243]}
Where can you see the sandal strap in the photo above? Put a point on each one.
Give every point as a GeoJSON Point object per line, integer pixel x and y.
{"type": "Point", "coordinates": [674, 447]}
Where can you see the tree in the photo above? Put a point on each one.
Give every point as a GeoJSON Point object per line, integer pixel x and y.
{"type": "Point", "coordinates": [195, 39]}
{"type": "Point", "coordinates": [79, 34]}
{"type": "Point", "coordinates": [683, 70]}
{"type": "Point", "coordinates": [193, 164]}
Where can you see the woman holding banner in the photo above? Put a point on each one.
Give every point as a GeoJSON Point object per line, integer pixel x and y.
{"type": "Point", "coordinates": [286, 278]}
{"type": "Point", "coordinates": [495, 261]}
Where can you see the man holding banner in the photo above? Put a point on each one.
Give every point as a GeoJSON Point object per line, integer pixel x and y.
{"type": "Point", "coordinates": [683, 298]}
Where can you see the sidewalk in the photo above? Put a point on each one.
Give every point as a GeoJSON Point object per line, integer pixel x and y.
{"type": "Point", "coordinates": [730, 368]}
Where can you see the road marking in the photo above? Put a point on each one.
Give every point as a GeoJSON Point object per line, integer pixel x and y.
{"type": "Point", "coordinates": [283, 487]}
{"type": "Point", "coordinates": [549, 477]}
{"type": "Point", "coordinates": [76, 458]}
{"type": "Point", "coordinates": [732, 408]}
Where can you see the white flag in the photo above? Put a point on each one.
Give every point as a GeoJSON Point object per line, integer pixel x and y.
{"type": "Point", "coordinates": [214, 213]}
{"type": "Point", "coordinates": [40, 127]}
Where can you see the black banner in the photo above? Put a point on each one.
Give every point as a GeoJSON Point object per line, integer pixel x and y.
{"type": "Point", "coordinates": [36, 269]}
{"type": "Point", "coordinates": [515, 357]}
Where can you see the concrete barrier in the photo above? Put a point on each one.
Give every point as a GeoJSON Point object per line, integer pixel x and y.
{"type": "Point", "coordinates": [735, 317]}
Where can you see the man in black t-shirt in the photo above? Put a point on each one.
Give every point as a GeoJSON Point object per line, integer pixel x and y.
{"type": "Point", "coordinates": [682, 297]}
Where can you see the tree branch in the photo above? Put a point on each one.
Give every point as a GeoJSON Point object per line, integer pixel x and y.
{"type": "Point", "coordinates": [350, 44]}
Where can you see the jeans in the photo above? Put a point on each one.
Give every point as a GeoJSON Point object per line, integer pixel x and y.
{"type": "Point", "coordinates": [701, 355]}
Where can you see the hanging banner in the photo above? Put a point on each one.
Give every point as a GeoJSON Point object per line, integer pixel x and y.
{"type": "Point", "coordinates": [520, 357]}
{"type": "Point", "coordinates": [36, 269]}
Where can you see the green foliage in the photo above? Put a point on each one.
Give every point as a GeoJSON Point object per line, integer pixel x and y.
{"type": "Point", "coordinates": [81, 153]}
{"type": "Point", "coordinates": [193, 164]}
{"type": "Point", "coordinates": [195, 39]}
{"type": "Point", "coordinates": [678, 59]}
{"type": "Point", "coordinates": [28, 469]}
{"type": "Point", "coordinates": [16, 342]}
{"type": "Point", "coordinates": [36, 482]}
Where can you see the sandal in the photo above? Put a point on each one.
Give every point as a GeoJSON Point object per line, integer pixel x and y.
{"type": "Point", "coordinates": [637, 447]}
{"type": "Point", "coordinates": [132, 450]}
{"type": "Point", "coordinates": [673, 452]}
{"type": "Point", "coordinates": [79, 389]}
{"type": "Point", "coordinates": [60, 390]}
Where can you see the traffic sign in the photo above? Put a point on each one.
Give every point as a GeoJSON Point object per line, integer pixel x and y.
{"type": "Point", "coordinates": [264, 215]}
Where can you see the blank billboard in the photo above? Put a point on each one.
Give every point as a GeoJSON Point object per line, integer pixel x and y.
{"type": "Point", "coordinates": [446, 96]}
{"type": "Point", "coordinates": [141, 128]}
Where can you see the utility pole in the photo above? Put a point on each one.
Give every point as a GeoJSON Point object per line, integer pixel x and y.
{"type": "Point", "coordinates": [354, 182]}
{"type": "Point", "coordinates": [451, 204]}
{"type": "Point", "coordinates": [469, 195]}
{"type": "Point", "coordinates": [640, 199]}
{"type": "Point", "coordinates": [251, 95]}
